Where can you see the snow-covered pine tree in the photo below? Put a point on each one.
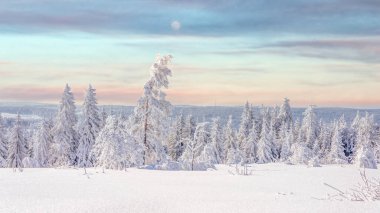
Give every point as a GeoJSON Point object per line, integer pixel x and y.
{"type": "Point", "coordinates": [17, 149]}
{"type": "Point", "coordinates": [348, 138]}
{"type": "Point", "coordinates": [114, 148]}
{"type": "Point", "coordinates": [322, 144]}
{"type": "Point", "coordinates": [88, 129]}
{"type": "Point", "coordinates": [42, 144]}
{"type": "Point", "coordinates": [149, 123]}
{"type": "Point", "coordinates": [231, 149]}
{"type": "Point", "coordinates": [356, 122]}
{"type": "Point", "coordinates": [300, 152]}
{"type": "Point", "coordinates": [287, 144]}
{"type": "Point", "coordinates": [310, 127]}
{"type": "Point", "coordinates": [189, 128]}
{"type": "Point", "coordinates": [276, 129]}
{"type": "Point", "coordinates": [216, 137]}
{"type": "Point", "coordinates": [176, 146]}
{"type": "Point", "coordinates": [3, 145]}
{"type": "Point", "coordinates": [245, 125]}
{"type": "Point", "coordinates": [103, 117]}
{"type": "Point", "coordinates": [318, 144]}
{"type": "Point", "coordinates": [364, 152]}
{"type": "Point", "coordinates": [251, 145]}
{"type": "Point", "coordinates": [336, 154]}
{"type": "Point", "coordinates": [202, 134]}
{"type": "Point", "coordinates": [64, 135]}
{"type": "Point", "coordinates": [296, 129]}
{"type": "Point", "coordinates": [285, 116]}
{"type": "Point", "coordinates": [265, 146]}
{"type": "Point", "coordinates": [276, 123]}
{"type": "Point", "coordinates": [172, 143]}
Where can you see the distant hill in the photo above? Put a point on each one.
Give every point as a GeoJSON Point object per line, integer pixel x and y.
{"type": "Point", "coordinates": [201, 113]}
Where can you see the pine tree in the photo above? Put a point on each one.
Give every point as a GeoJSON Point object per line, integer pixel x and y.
{"type": "Point", "coordinates": [17, 150]}
{"type": "Point", "coordinates": [189, 128]}
{"type": "Point", "coordinates": [216, 137]}
{"type": "Point", "coordinates": [245, 125]}
{"type": "Point", "coordinates": [310, 127]}
{"type": "Point", "coordinates": [317, 143]}
{"type": "Point", "coordinates": [114, 148]}
{"type": "Point", "coordinates": [64, 135]}
{"type": "Point", "coordinates": [252, 143]}
{"type": "Point", "coordinates": [149, 123]}
{"type": "Point", "coordinates": [103, 117]}
{"type": "Point", "coordinates": [172, 144]}
{"type": "Point", "coordinates": [202, 134]}
{"type": "Point", "coordinates": [89, 129]}
{"type": "Point", "coordinates": [287, 141]}
{"type": "Point", "coordinates": [265, 146]}
{"type": "Point", "coordinates": [301, 153]}
{"type": "Point", "coordinates": [322, 144]}
{"type": "Point", "coordinates": [42, 144]}
{"type": "Point", "coordinates": [336, 154]}
{"type": "Point", "coordinates": [364, 151]}
{"type": "Point", "coordinates": [176, 146]}
{"type": "Point", "coordinates": [230, 146]}
{"type": "Point", "coordinates": [285, 116]}
{"type": "Point", "coordinates": [3, 145]}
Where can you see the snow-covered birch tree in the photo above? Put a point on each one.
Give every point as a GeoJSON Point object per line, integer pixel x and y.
{"type": "Point", "coordinates": [149, 122]}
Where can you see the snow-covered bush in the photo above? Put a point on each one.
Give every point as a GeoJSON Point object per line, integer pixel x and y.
{"type": "Point", "coordinates": [367, 190]}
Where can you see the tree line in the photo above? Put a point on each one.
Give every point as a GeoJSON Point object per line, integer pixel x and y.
{"type": "Point", "coordinates": [151, 137]}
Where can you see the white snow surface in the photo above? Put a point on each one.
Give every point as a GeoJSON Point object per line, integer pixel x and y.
{"type": "Point", "coordinates": [271, 188]}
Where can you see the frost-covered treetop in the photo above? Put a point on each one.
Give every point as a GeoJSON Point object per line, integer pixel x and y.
{"type": "Point", "coordinates": [159, 76]}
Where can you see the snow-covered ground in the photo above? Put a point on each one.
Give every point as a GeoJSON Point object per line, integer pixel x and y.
{"type": "Point", "coordinates": [271, 188]}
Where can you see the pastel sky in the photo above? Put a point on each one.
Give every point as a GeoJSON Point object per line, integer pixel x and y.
{"type": "Point", "coordinates": [322, 52]}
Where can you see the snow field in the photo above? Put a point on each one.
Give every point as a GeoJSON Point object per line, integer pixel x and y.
{"type": "Point", "coordinates": [271, 188]}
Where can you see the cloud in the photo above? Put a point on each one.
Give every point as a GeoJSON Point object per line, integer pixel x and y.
{"type": "Point", "coordinates": [226, 18]}
{"type": "Point", "coordinates": [364, 49]}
